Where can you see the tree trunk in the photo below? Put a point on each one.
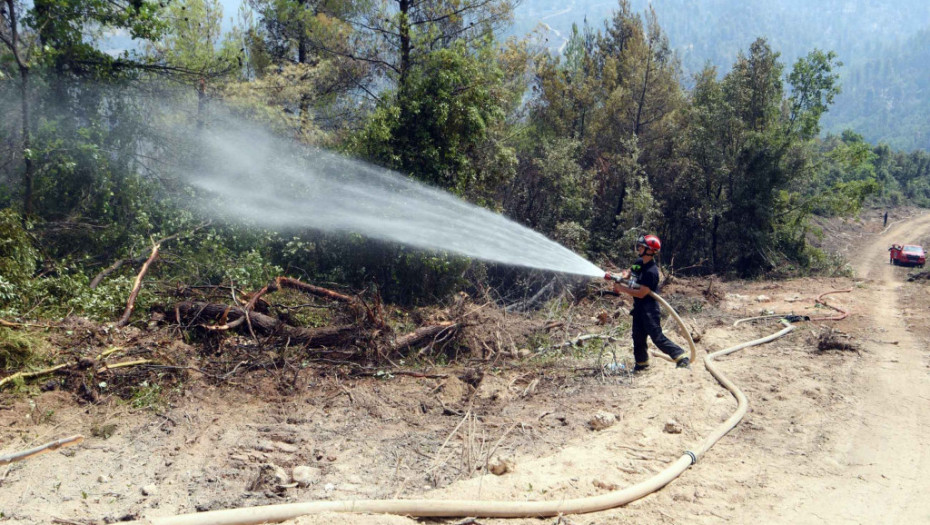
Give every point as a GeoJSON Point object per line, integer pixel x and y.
{"type": "Point", "coordinates": [201, 100]}
{"type": "Point", "coordinates": [404, 29]}
{"type": "Point", "coordinates": [27, 145]}
{"type": "Point", "coordinates": [29, 172]}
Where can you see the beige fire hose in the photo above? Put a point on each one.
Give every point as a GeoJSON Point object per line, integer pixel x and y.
{"type": "Point", "coordinates": [492, 509]}
{"type": "Point", "coordinates": [681, 326]}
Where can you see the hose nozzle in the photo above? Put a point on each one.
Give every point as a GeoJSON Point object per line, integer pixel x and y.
{"type": "Point", "coordinates": [629, 283]}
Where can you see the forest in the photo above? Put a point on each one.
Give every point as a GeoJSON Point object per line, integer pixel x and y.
{"type": "Point", "coordinates": [881, 46]}
{"type": "Point", "coordinates": [591, 147]}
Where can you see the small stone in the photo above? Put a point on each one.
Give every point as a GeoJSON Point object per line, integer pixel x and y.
{"type": "Point", "coordinates": [263, 445]}
{"type": "Point", "coordinates": [329, 487]}
{"type": "Point", "coordinates": [763, 298]}
{"type": "Point", "coordinates": [602, 420]}
{"type": "Point", "coordinates": [500, 465]}
{"type": "Point", "coordinates": [270, 478]}
{"type": "Point", "coordinates": [604, 485]}
{"type": "Point", "coordinates": [150, 490]}
{"type": "Point", "coordinates": [304, 475]}
{"type": "Point", "coordinates": [286, 447]}
{"type": "Point", "coordinates": [103, 478]}
{"type": "Point", "coordinates": [672, 427]}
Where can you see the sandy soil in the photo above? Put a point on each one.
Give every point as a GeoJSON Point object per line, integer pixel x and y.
{"type": "Point", "coordinates": [832, 436]}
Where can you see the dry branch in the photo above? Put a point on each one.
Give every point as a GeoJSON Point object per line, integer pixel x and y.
{"type": "Point", "coordinates": [124, 364]}
{"type": "Point", "coordinates": [294, 284]}
{"type": "Point", "coordinates": [195, 311]}
{"type": "Point", "coordinates": [27, 375]}
{"type": "Point", "coordinates": [112, 268]}
{"type": "Point", "coordinates": [423, 333]}
{"type": "Point", "coordinates": [48, 447]}
{"type": "Point", "coordinates": [131, 303]}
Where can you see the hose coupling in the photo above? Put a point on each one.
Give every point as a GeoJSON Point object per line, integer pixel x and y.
{"type": "Point", "coordinates": [692, 455]}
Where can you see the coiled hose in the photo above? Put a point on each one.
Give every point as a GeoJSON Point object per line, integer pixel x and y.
{"type": "Point", "coordinates": [495, 509]}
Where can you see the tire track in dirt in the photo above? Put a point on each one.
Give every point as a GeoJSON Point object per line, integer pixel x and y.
{"type": "Point", "coordinates": [883, 472]}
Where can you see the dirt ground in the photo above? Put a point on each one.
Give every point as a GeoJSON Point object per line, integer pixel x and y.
{"type": "Point", "coordinates": [837, 431]}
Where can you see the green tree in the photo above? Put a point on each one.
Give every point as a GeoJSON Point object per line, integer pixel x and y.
{"type": "Point", "coordinates": [440, 131]}
{"type": "Point", "coordinates": [813, 88]}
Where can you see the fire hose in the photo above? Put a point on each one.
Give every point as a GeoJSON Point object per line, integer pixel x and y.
{"type": "Point", "coordinates": [497, 509]}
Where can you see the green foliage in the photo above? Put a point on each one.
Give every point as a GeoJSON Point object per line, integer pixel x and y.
{"type": "Point", "coordinates": [591, 148]}
{"type": "Point", "coordinates": [813, 87]}
{"type": "Point", "coordinates": [438, 123]}
{"type": "Point", "coordinates": [148, 396]}
{"type": "Point", "coordinates": [18, 256]}
{"type": "Point", "coordinates": [18, 349]}
{"type": "Point", "coordinates": [399, 274]}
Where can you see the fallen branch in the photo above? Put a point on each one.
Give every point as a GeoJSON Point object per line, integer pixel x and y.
{"type": "Point", "coordinates": [131, 303]}
{"type": "Point", "coordinates": [124, 364]}
{"type": "Point", "coordinates": [112, 268]}
{"type": "Point", "coordinates": [423, 333]}
{"type": "Point", "coordinates": [48, 447]}
{"type": "Point", "coordinates": [108, 352]}
{"type": "Point", "coordinates": [294, 284]}
{"type": "Point", "coordinates": [11, 324]}
{"type": "Point", "coordinates": [135, 260]}
{"type": "Point", "coordinates": [195, 311]}
{"type": "Point", "coordinates": [28, 375]}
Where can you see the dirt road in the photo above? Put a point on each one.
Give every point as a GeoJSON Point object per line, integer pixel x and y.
{"type": "Point", "coordinates": [883, 462]}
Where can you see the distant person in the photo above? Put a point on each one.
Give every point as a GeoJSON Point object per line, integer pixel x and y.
{"type": "Point", "coordinates": [646, 320]}
{"type": "Point", "coordinates": [885, 223]}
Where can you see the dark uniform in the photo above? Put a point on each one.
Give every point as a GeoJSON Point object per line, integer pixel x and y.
{"type": "Point", "coordinates": [646, 318]}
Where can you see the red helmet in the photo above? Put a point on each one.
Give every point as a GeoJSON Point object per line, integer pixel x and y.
{"type": "Point", "coordinates": [651, 242]}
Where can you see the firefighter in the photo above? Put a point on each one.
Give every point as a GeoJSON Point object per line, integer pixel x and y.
{"type": "Point", "coordinates": [646, 320]}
